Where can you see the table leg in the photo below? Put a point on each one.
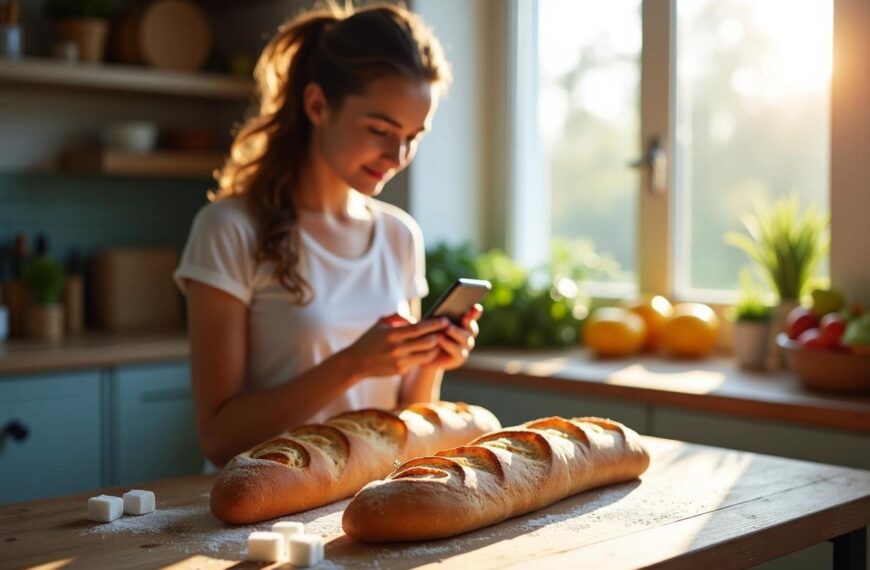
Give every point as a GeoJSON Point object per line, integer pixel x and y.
{"type": "Point", "coordinates": [850, 550]}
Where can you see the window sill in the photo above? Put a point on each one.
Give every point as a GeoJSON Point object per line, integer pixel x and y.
{"type": "Point", "coordinates": [714, 384]}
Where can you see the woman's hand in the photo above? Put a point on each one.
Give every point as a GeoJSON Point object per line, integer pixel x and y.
{"type": "Point", "coordinates": [394, 345]}
{"type": "Point", "coordinates": [456, 343]}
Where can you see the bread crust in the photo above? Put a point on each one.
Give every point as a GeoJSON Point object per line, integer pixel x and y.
{"type": "Point", "coordinates": [498, 476]}
{"type": "Point", "coordinates": [314, 465]}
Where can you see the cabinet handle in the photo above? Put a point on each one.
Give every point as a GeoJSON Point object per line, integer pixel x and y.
{"type": "Point", "coordinates": [16, 430]}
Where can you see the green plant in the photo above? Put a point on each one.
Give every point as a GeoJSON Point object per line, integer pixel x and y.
{"type": "Point", "coordinates": [750, 305]}
{"type": "Point", "coordinates": [517, 312]}
{"type": "Point", "coordinates": [785, 244]}
{"type": "Point", "coordinates": [61, 9]}
{"type": "Point", "coordinates": [44, 278]}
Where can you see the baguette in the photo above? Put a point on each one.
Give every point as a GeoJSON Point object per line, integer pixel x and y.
{"type": "Point", "coordinates": [498, 476]}
{"type": "Point", "coordinates": [317, 464]}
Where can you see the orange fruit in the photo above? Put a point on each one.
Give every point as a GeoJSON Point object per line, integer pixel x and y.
{"type": "Point", "coordinates": [691, 331]}
{"type": "Point", "coordinates": [654, 310]}
{"type": "Point", "coordinates": [613, 331]}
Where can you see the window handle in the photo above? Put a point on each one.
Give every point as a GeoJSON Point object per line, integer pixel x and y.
{"type": "Point", "coordinates": [656, 160]}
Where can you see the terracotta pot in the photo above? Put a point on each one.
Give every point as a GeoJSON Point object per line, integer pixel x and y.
{"type": "Point", "coordinates": [45, 322]}
{"type": "Point", "coordinates": [751, 343]}
{"type": "Point", "coordinates": [89, 34]}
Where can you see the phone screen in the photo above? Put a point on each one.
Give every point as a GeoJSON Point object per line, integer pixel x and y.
{"type": "Point", "coordinates": [459, 298]}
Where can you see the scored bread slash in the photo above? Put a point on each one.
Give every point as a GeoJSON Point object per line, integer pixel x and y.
{"type": "Point", "coordinates": [497, 476]}
{"type": "Point", "coordinates": [317, 464]}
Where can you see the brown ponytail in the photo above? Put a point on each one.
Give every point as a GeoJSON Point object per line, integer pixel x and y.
{"type": "Point", "coordinates": [340, 50]}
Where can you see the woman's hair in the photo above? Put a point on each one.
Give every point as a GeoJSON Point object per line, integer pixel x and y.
{"type": "Point", "coordinates": [341, 50]}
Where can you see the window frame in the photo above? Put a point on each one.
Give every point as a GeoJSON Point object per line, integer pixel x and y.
{"type": "Point", "coordinates": [656, 248]}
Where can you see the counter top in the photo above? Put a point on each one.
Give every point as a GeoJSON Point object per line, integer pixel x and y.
{"type": "Point", "coordinates": [91, 350]}
{"type": "Point", "coordinates": [712, 384]}
{"type": "Point", "coordinates": [695, 507]}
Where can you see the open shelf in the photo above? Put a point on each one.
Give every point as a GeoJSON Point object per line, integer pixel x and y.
{"type": "Point", "coordinates": [35, 71]}
{"type": "Point", "coordinates": [163, 163]}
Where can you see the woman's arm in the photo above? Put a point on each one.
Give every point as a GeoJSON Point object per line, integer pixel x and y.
{"type": "Point", "coordinates": [229, 421]}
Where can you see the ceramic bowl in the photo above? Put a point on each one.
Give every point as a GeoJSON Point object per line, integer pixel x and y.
{"type": "Point", "coordinates": [826, 369]}
{"type": "Point", "coordinates": [132, 136]}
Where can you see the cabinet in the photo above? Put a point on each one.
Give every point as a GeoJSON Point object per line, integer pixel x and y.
{"type": "Point", "coordinates": [153, 432]}
{"type": "Point", "coordinates": [85, 430]}
{"type": "Point", "coordinates": [62, 449]}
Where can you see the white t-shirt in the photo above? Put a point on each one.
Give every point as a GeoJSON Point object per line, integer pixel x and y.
{"type": "Point", "coordinates": [350, 295]}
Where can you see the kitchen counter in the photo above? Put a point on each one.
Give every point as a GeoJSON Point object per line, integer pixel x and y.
{"type": "Point", "coordinates": [92, 350]}
{"type": "Point", "coordinates": [713, 384]}
{"type": "Point", "coordinates": [696, 506]}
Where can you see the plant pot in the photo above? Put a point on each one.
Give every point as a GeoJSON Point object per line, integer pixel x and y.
{"type": "Point", "coordinates": [89, 34]}
{"type": "Point", "coordinates": [45, 322]}
{"type": "Point", "coordinates": [751, 344]}
{"type": "Point", "coordinates": [775, 357]}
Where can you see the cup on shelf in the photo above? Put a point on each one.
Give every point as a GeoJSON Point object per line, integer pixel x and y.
{"type": "Point", "coordinates": [130, 136]}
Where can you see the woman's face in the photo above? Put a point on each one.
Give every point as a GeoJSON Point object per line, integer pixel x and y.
{"type": "Point", "coordinates": [372, 136]}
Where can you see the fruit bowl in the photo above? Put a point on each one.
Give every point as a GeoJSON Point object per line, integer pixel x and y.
{"type": "Point", "coordinates": [826, 369]}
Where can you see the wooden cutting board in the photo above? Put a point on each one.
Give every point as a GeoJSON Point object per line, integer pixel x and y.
{"type": "Point", "coordinates": [167, 34]}
{"type": "Point", "coordinates": [133, 289]}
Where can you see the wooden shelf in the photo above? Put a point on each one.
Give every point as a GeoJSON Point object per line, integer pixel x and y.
{"type": "Point", "coordinates": [160, 163]}
{"type": "Point", "coordinates": [34, 71]}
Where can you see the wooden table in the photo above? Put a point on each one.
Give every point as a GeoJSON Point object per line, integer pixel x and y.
{"type": "Point", "coordinates": [695, 507]}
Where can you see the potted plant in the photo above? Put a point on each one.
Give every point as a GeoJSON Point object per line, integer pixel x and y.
{"type": "Point", "coordinates": [787, 247]}
{"type": "Point", "coordinates": [84, 23]}
{"type": "Point", "coordinates": [751, 316]}
{"type": "Point", "coordinates": [44, 278]}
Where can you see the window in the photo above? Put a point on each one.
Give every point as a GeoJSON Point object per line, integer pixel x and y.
{"type": "Point", "coordinates": [738, 95]}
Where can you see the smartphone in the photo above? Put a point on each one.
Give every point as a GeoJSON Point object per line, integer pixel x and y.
{"type": "Point", "coordinates": [458, 299]}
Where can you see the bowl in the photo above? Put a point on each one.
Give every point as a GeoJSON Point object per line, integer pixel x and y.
{"type": "Point", "coordinates": [130, 136]}
{"type": "Point", "coordinates": [826, 369]}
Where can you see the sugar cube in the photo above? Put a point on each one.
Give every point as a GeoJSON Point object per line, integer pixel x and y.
{"type": "Point", "coordinates": [138, 502]}
{"type": "Point", "coordinates": [105, 508]}
{"type": "Point", "coordinates": [305, 549]}
{"type": "Point", "coordinates": [266, 546]}
{"type": "Point", "coordinates": [288, 528]}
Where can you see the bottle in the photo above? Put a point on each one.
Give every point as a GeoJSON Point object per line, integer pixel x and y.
{"type": "Point", "coordinates": [15, 291]}
{"type": "Point", "coordinates": [5, 277]}
{"type": "Point", "coordinates": [74, 295]}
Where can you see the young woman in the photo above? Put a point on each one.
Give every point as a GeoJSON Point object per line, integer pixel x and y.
{"type": "Point", "coordinates": [303, 291]}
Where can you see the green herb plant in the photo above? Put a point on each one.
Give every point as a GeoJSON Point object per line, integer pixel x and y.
{"type": "Point", "coordinates": [785, 244]}
{"type": "Point", "coordinates": [44, 278]}
{"type": "Point", "coordinates": [750, 305]}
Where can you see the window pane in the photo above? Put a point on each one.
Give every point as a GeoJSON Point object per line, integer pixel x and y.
{"type": "Point", "coordinates": [753, 82]}
{"type": "Point", "coordinates": [589, 86]}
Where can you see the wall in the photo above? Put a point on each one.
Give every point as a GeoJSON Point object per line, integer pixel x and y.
{"type": "Point", "coordinates": [850, 146]}
{"type": "Point", "coordinates": [453, 181]}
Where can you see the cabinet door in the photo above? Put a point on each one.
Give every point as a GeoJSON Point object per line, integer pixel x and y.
{"type": "Point", "coordinates": [155, 433]}
{"type": "Point", "coordinates": [61, 451]}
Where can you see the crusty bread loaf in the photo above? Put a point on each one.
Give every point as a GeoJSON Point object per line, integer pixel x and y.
{"type": "Point", "coordinates": [498, 476]}
{"type": "Point", "coordinates": [317, 464]}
